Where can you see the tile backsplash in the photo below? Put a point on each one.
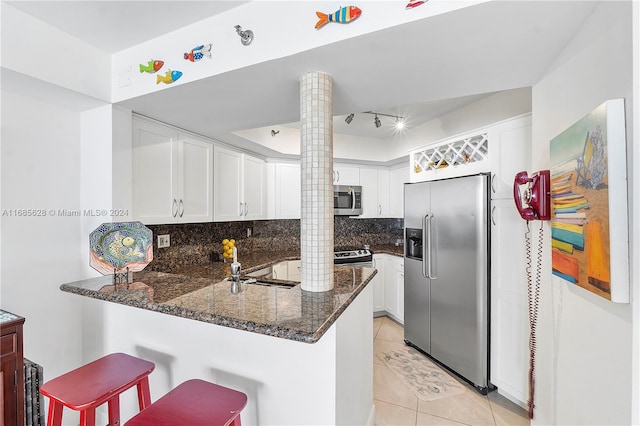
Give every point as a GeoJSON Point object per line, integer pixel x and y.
{"type": "Point", "coordinates": [197, 243]}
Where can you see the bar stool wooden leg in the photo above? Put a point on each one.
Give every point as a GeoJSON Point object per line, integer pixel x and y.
{"type": "Point", "coordinates": [88, 417]}
{"type": "Point", "coordinates": [114, 411]}
{"type": "Point", "coordinates": [144, 395]}
{"type": "Point", "coordinates": [55, 414]}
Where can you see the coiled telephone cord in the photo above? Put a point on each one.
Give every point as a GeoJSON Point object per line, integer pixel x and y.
{"type": "Point", "coordinates": [533, 295]}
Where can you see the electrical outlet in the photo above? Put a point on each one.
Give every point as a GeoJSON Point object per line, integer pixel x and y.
{"type": "Point", "coordinates": [124, 77]}
{"type": "Point", "coordinates": [163, 241]}
{"type": "Point", "coordinates": [248, 232]}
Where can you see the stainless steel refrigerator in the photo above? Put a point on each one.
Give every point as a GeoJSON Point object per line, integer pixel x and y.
{"type": "Point", "coordinates": [447, 274]}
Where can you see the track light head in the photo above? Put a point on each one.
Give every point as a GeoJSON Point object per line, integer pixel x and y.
{"type": "Point", "coordinates": [349, 118]}
{"type": "Point", "coordinates": [377, 121]}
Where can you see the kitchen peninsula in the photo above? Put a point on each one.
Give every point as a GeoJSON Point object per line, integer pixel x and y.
{"type": "Point", "coordinates": [301, 357]}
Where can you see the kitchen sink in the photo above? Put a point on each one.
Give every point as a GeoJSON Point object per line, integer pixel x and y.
{"type": "Point", "coordinates": [284, 272]}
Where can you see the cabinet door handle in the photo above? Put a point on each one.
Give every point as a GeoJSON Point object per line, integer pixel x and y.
{"type": "Point", "coordinates": [241, 210]}
{"type": "Point", "coordinates": [379, 209]}
{"type": "Point", "coordinates": [246, 209]}
{"type": "Point", "coordinates": [181, 208]}
{"type": "Point", "coordinates": [174, 208]}
{"type": "Point", "coordinates": [493, 178]}
{"type": "Point", "coordinates": [338, 174]}
{"type": "Point", "coordinates": [493, 221]}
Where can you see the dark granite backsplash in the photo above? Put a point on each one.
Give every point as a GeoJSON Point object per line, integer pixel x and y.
{"type": "Point", "coordinates": [198, 243]}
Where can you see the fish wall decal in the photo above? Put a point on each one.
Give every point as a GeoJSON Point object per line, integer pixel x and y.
{"type": "Point", "coordinates": [169, 77]}
{"type": "Point", "coordinates": [151, 67]}
{"type": "Point", "coordinates": [344, 15]}
{"type": "Point", "coordinates": [417, 3]}
{"type": "Point", "coordinates": [199, 52]}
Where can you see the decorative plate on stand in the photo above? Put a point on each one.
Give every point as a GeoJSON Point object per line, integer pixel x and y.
{"type": "Point", "coordinates": [116, 246]}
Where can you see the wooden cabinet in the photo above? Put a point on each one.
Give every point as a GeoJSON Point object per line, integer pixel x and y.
{"type": "Point", "coordinates": [239, 186]}
{"type": "Point", "coordinates": [375, 192]}
{"type": "Point", "coordinates": [11, 369]}
{"type": "Point", "coordinates": [172, 175]}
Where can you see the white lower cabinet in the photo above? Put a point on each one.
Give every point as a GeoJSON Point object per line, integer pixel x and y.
{"type": "Point", "coordinates": [509, 309]}
{"type": "Point", "coordinates": [378, 284]}
{"type": "Point", "coordinates": [388, 290]}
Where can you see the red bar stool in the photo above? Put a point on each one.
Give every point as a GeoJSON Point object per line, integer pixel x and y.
{"type": "Point", "coordinates": [93, 384]}
{"type": "Point", "coordinates": [194, 402]}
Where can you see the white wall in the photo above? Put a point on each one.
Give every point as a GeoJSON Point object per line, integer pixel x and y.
{"type": "Point", "coordinates": [36, 49]}
{"type": "Point", "coordinates": [56, 155]}
{"type": "Point", "coordinates": [634, 221]}
{"type": "Point", "coordinates": [497, 107]}
{"type": "Point", "coordinates": [584, 345]}
{"type": "Point", "coordinates": [41, 170]}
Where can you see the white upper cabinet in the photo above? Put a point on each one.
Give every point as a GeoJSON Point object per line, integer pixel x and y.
{"type": "Point", "coordinates": [254, 188]}
{"type": "Point", "coordinates": [172, 175]}
{"type": "Point", "coordinates": [346, 174]}
{"type": "Point", "coordinates": [287, 191]}
{"type": "Point", "coordinates": [397, 178]}
{"type": "Point", "coordinates": [375, 192]}
{"type": "Point", "coordinates": [510, 153]}
{"type": "Point", "coordinates": [239, 186]}
{"type": "Point", "coordinates": [195, 158]}
{"type": "Point", "coordinates": [503, 149]}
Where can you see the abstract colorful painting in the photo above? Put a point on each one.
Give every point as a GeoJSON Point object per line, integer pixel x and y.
{"type": "Point", "coordinates": [589, 232]}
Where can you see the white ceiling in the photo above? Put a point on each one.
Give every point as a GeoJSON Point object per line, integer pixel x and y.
{"type": "Point", "coordinates": [117, 24]}
{"type": "Point", "coordinates": [420, 70]}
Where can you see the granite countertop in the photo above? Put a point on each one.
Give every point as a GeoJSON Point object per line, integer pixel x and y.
{"type": "Point", "coordinates": [202, 293]}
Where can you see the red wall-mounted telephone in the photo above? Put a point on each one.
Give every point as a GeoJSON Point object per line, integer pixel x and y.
{"type": "Point", "coordinates": [535, 199]}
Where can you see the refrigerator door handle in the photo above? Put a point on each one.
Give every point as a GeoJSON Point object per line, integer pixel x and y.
{"type": "Point", "coordinates": [425, 252]}
{"type": "Point", "coordinates": [430, 247]}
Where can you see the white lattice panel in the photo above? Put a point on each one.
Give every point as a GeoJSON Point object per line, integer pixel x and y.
{"type": "Point", "coordinates": [454, 153]}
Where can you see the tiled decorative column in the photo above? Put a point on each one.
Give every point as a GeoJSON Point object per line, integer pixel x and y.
{"type": "Point", "coordinates": [316, 150]}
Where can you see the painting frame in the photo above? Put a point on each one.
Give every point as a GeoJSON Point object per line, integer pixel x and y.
{"type": "Point", "coordinates": [589, 216]}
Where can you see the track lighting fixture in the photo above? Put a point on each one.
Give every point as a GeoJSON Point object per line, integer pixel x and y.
{"type": "Point", "coordinates": [274, 132]}
{"type": "Point", "coordinates": [400, 121]}
{"type": "Point", "coordinates": [349, 118]}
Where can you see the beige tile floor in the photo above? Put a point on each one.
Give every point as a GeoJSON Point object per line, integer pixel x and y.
{"type": "Point", "coordinates": [397, 405]}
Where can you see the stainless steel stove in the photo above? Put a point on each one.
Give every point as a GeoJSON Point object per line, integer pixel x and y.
{"type": "Point", "coordinates": [352, 256]}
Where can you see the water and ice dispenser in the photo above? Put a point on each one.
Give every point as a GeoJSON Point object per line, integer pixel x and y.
{"type": "Point", "coordinates": [413, 243]}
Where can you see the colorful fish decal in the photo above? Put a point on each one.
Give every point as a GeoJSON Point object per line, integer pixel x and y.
{"type": "Point", "coordinates": [151, 67]}
{"type": "Point", "coordinates": [199, 52]}
{"type": "Point", "coordinates": [413, 4]}
{"type": "Point", "coordinates": [344, 15]}
{"type": "Point", "coordinates": [169, 77]}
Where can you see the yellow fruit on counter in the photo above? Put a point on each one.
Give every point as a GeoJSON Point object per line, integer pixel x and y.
{"type": "Point", "coordinates": [225, 241]}
{"type": "Point", "coordinates": [232, 242]}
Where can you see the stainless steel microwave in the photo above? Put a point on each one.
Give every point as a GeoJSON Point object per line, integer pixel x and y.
{"type": "Point", "coordinates": [347, 200]}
